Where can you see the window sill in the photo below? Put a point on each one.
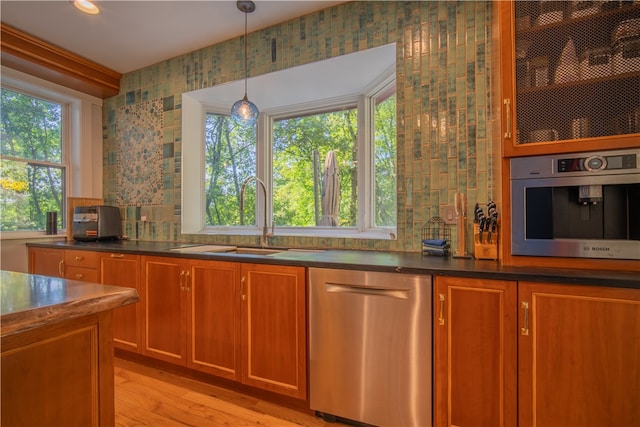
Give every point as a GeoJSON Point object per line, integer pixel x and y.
{"type": "Point", "coordinates": [328, 232]}
{"type": "Point", "coordinates": [32, 235]}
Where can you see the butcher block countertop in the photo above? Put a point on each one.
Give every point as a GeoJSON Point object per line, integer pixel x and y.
{"type": "Point", "coordinates": [30, 301]}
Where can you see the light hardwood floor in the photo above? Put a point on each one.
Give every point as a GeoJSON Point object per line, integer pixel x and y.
{"type": "Point", "coordinates": [145, 396]}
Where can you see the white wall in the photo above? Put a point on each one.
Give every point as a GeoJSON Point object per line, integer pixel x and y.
{"type": "Point", "coordinates": [14, 254]}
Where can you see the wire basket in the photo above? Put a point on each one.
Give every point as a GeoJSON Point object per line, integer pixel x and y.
{"type": "Point", "coordinates": [436, 237]}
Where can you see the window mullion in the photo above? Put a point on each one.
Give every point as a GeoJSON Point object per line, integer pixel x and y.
{"type": "Point", "coordinates": [264, 144]}
{"type": "Point", "coordinates": [366, 168]}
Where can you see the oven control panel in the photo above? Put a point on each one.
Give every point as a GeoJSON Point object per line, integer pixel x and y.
{"type": "Point", "coordinates": [596, 163]}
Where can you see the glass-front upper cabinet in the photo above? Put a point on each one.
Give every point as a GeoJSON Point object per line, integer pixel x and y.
{"type": "Point", "coordinates": [571, 75]}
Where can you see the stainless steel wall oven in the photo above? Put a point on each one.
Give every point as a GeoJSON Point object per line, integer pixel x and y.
{"type": "Point", "coordinates": [577, 205]}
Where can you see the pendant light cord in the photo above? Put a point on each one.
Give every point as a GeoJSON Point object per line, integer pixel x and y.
{"type": "Point", "coordinates": [245, 111]}
{"type": "Point", "coordinates": [246, 65]}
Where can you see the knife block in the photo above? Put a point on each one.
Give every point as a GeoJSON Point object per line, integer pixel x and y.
{"type": "Point", "coordinates": [485, 247]}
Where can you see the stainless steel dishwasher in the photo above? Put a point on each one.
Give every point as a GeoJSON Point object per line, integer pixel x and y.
{"type": "Point", "coordinates": [370, 346]}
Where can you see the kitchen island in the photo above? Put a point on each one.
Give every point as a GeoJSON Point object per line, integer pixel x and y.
{"type": "Point", "coordinates": [57, 350]}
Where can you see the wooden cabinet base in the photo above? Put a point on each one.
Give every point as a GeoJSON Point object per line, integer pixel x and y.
{"type": "Point", "coordinates": [60, 374]}
{"type": "Point", "coordinates": [240, 321]}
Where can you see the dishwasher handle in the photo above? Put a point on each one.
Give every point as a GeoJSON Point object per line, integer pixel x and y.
{"type": "Point", "coordinates": [366, 290]}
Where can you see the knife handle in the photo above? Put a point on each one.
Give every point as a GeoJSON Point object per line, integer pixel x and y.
{"type": "Point", "coordinates": [463, 205]}
{"type": "Point", "coordinates": [461, 250]}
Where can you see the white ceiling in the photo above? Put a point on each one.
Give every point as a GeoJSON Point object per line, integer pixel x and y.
{"type": "Point", "coordinates": [129, 35]}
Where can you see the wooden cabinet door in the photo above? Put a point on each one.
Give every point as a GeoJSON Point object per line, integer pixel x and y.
{"type": "Point", "coordinates": [124, 270]}
{"type": "Point", "coordinates": [59, 374]}
{"type": "Point", "coordinates": [579, 356]}
{"type": "Point", "coordinates": [214, 318]}
{"type": "Point", "coordinates": [274, 334]}
{"type": "Point", "coordinates": [46, 262]}
{"type": "Point", "coordinates": [474, 352]}
{"type": "Point", "coordinates": [550, 107]}
{"type": "Point", "coordinates": [165, 303]}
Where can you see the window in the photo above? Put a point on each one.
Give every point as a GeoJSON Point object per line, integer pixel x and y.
{"type": "Point", "coordinates": [345, 120]}
{"type": "Point", "coordinates": [33, 171]}
{"type": "Point", "coordinates": [385, 157]}
{"type": "Point", "coordinates": [230, 157]}
{"type": "Point", "coordinates": [314, 167]}
{"type": "Point", "coordinates": [315, 159]}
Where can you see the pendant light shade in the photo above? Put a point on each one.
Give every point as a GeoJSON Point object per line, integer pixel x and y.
{"type": "Point", "coordinates": [244, 111]}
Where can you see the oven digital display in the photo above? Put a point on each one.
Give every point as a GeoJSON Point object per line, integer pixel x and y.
{"type": "Point", "coordinates": [626, 161]}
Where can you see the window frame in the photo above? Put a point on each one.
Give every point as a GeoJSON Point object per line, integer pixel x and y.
{"type": "Point", "coordinates": [194, 116]}
{"type": "Point", "coordinates": [63, 165]}
{"type": "Point", "coordinates": [81, 141]}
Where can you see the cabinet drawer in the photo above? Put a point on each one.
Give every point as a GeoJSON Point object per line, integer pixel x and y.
{"type": "Point", "coordinates": [84, 259]}
{"type": "Point", "coordinates": [80, 273]}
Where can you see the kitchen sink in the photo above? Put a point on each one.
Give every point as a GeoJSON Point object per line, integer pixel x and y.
{"type": "Point", "coordinates": [257, 251]}
{"type": "Point", "coordinates": [240, 250]}
{"type": "Point", "coordinates": [203, 248]}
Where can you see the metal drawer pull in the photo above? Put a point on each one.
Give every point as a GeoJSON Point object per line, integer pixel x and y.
{"type": "Point", "coordinates": [182, 280]}
{"type": "Point", "coordinates": [61, 267]}
{"type": "Point", "coordinates": [525, 329]}
{"type": "Point", "coordinates": [441, 318]}
{"type": "Point", "coordinates": [187, 281]}
{"type": "Point", "coordinates": [507, 132]}
{"type": "Point", "coordinates": [116, 255]}
{"type": "Point", "coordinates": [78, 276]}
{"type": "Point", "coordinates": [367, 290]}
{"type": "Point", "coordinates": [242, 295]}
{"type": "Point", "coordinates": [79, 258]}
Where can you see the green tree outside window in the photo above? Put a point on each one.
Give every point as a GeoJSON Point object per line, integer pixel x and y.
{"type": "Point", "coordinates": [32, 172]}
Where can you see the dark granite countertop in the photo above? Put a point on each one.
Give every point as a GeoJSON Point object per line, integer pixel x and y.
{"type": "Point", "coordinates": [30, 301]}
{"type": "Point", "coordinates": [405, 262]}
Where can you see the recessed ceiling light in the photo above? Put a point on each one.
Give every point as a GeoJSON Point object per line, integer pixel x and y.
{"type": "Point", "coordinates": [86, 6]}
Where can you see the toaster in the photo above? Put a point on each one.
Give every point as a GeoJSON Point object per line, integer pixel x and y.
{"type": "Point", "coordinates": [91, 223]}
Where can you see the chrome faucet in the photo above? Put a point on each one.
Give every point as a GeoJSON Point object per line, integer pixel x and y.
{"type": "Point", "coordinates": [264, 242]}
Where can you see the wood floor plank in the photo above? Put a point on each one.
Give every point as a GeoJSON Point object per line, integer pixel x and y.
{"type": "Point", "coordinates": [145, 396]}
{"type": "Point", "coordinates": [181, 406]}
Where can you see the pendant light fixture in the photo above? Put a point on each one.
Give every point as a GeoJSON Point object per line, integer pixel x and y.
{"type": "Point", "coordinates": [245, 111]}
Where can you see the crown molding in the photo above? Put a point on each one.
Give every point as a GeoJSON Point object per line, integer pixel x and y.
{"type": "Point", "coordinates": [30, 55]}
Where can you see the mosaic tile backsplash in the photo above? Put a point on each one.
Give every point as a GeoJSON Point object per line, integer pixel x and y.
{"type": "Point", "coordinates": [139, 154]}
{"type": "Point", "coordinates": [445, 78]}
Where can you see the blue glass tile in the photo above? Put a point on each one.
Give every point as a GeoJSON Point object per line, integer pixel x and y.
{"type": "Point", "coordinates": [167, 103]}
{"type": "Point", "coordinates": [471, 76]}
{"type": "Point", "coordinates": [131, 97]}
